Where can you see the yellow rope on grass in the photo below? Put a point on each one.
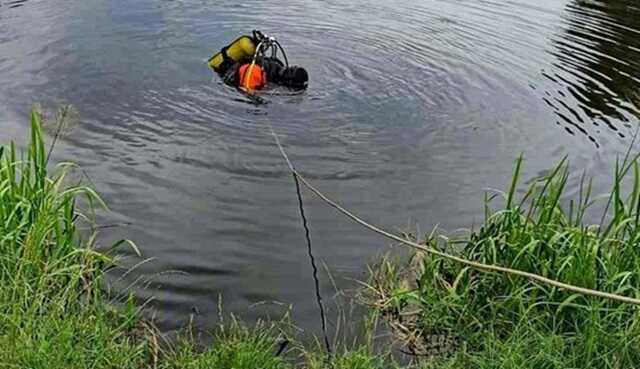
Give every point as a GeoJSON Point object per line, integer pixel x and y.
{"type": "Point", "coordinates": [473, 264]}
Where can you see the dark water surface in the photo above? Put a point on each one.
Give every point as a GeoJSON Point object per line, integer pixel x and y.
{"type": "Point", "coordinates": [414, 109]}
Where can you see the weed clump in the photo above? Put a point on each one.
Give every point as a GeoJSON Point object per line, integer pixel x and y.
{"type": "Point", "coordinates": [480, 319]}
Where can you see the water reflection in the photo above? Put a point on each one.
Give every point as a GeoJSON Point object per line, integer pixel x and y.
{"type": "Point", "coordinates": [596, 75]}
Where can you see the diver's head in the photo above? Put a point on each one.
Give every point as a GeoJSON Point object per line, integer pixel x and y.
{"type": "Point", "coordinates": [295, 77]}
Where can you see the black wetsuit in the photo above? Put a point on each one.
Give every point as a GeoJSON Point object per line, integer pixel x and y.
{"type": "Point", "coordinates": [273, 68]}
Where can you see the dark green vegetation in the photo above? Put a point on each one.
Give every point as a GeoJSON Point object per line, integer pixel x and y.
{"type": "Point", "coordinates": [54, 312]}
{"type": "Point", "coordinates": [489, 320]}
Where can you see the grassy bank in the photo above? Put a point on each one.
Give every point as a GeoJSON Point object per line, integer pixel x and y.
{"type": "Point", "coordinates": [54, 312]}
{"type": "Point", "coordinates": [462, 318]}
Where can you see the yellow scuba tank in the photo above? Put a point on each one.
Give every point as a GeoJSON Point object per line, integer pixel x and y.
{"type": "Point", "coordinates": [243, 48]}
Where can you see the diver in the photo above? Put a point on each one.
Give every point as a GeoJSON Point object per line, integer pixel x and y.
{"type": "Point", "coordinates": [246, 64]}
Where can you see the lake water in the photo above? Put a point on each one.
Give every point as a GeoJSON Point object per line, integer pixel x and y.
{"type": "Point", "coordinates": [414, 109]}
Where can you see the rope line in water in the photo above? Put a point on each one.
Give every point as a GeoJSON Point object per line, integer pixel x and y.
{"type": "Point", "coordinates": [473, 264]}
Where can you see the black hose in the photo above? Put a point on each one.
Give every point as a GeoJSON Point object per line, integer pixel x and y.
{"type": "Point", "coordinates": [312, 259]}
{"type": "Point", "coordinates": [286, 61]}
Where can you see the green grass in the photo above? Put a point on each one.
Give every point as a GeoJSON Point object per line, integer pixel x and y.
{"type": "Point", "coordinates": [356, 358]}
{"type": "Point", "coordinates": [497, 320]}
{"type": "Point", "coordinates": [239, 347]}
{"type": "Point", "coordinates": [52, 312]}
